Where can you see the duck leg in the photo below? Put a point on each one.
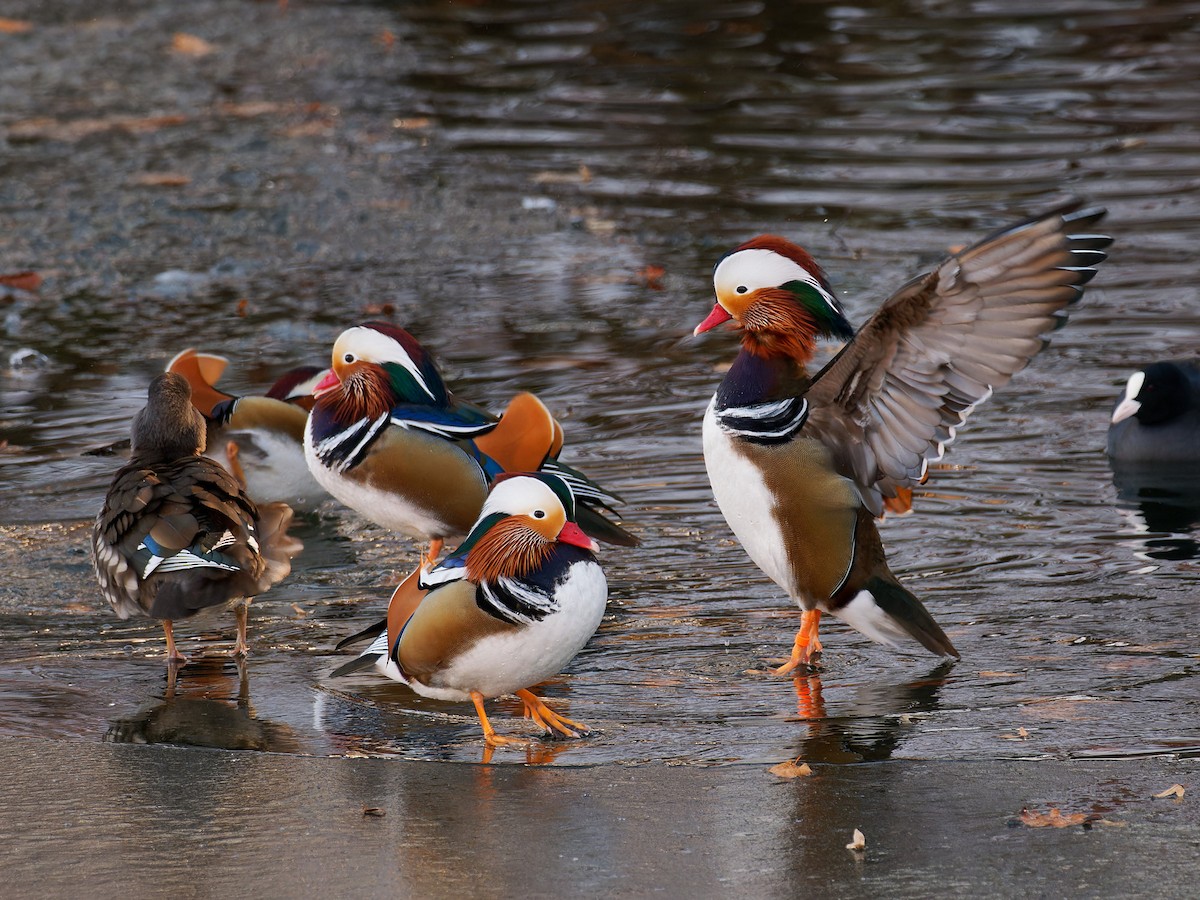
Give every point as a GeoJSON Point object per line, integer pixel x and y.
{"type": "Point", "coordinates": [235, 466]}
{"type": "Point", "coordinates": [174, 657]}
{"type": "Point", "coordinates": [432, 553]}
{"type": "Point", "coordinates": [548, 719]}
{"type": "Point", "coordinates": [489, 733]}
{"type": "Point", "coordinates": [806, 645]}
{"type": "Point", "coordinates": [242, 613]}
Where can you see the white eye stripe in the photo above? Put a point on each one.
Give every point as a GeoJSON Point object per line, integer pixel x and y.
{"type": "Point", "coordinates": [749, 270]}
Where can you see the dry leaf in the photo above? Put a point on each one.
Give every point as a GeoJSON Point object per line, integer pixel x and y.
{"type": "Point", "coordinates": [14, 26]}
{"type": "Point", "coordinates": [793, 768]}
{"type": "Point", "coordinates": [1175, 790]}
{"type": "Point", "coordinates": [243, 307]}
{"type": "Point", "coordinates": [411, 124]}
{"type": "Point", "coordinates": [1055, 818]}
{"type": "Point", "coordinates": [859, 844]}
{"type": "Point", "coordinates": [160, 179]}
{"type": "Point", "coordinates": [651, 276]}
{"type": "Point", "coordinates": [22, 281]}
{"type": "Point", "coordinates": [190, 45]}
{"type": "Point", "coordinates": [386, 38]}
{"type": "Point", "coordinates": [1021, 735]}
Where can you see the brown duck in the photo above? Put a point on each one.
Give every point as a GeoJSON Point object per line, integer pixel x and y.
{"type": "Point", "coordinates": [177, 534]}
{"type": "Point", "coordinates": [802, 465]}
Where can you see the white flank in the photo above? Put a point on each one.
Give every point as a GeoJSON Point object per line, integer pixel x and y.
{"type": "Point", "coordinates": [511, 660]}
{"type": "Point", "coordinates": [745, 501]}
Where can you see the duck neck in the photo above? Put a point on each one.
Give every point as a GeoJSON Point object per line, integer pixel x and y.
{"type": "Point", "coordinates": [754, 378]}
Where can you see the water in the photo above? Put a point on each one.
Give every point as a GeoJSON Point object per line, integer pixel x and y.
{"type": "Point", "coordinates": [499, 179]}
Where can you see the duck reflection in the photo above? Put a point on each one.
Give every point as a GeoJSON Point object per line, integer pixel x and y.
{"type": "Point", "coordinates": [872, 726]}
{"type": "Point", "coordinates": [205, 704]}
{"type": "Point", "coordinates": [1163, 506]}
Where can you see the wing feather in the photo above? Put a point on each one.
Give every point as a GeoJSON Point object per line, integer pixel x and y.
{"type": "Point", "coordinates": [891, 400]}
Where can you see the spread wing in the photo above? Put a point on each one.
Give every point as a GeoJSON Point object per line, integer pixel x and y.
{"type": "Point", "coordinates": [891, 400]}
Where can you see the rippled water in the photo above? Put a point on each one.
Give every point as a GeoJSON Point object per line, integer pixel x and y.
{"type": "Point", "coordinates": [505, 179]}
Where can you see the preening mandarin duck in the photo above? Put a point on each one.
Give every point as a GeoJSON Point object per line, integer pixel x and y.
{"type": "Point", "coordinates": [802, 465]}
{"type": "Point", "coordinates": [260, 440]}
{"type": "Point", "coordinates": [387, 438]}
{"type": "Point", "coordinates": [177, 534]}
{"type": "Point", "coordinates": [1157, 420]}
{"type": "Point", "coordinates": [507, 610]}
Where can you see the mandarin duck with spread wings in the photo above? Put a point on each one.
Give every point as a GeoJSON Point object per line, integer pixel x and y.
{"type": "Point", "coordinates": [802, 465]}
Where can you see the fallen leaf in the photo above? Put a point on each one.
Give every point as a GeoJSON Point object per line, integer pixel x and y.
{"type": "Point", "coordinates": [1021, 735]}
{"type": "Point", "coordinates": [411, 124]}
{"type": "Point", "coordinates": [160, 179]}
{"type": "Point", "coordinates": [376, 811]}
{"type": "Point", "coordinates": [22, 281]}
{"type": "Point", "coordinates": [299, 610]}
{"type": "Point", "coordinates": [1055, 818]}
{"type": "Point", "coordinates": [251, 109]}
{"type": "Point", "coordinates": [386, 38]}
{"type": "Point", "coordinates": [77, 129]}
{"type": "Point", "coordinates": [582, 175]}
{"type": "Point", "coordinates": [190, 45]}
{"type": "Point", "coordinates": [14, 26]}
{"type": "Point", "coordinates": [793, 768]}
{"type": "Point", "coordinates": [1001, 675]}
{"type": "Point", "coordinates": [651, 276]}
{"type": "Point", "coordinates": [859, 844]}
{"type": "Point", "coordinates": [243, 307]}
{"type": "Point", "coordinates": [1175, 790]}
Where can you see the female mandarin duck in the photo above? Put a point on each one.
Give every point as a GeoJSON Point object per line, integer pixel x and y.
{"type": "Point", "coordinates": [177, 534]}
{"type": "Point", "coordinates": [1157, 420]}
{"type": "Point", "coordinates": [509, 609]}
{"type": "Point", "coordinates": [260, 440]}
{"type": "Point", "coordinates": [801, 465]}
{"type": "Point", "coordinates": [387, 438]}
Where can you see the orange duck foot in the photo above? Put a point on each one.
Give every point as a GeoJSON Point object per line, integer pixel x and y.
{"type": "Point", "coordinates": [489, 733]}
{"type": "Point", "coordinates": [240, 647]}
{"type": "Point", "coordinates": [547, 719]}
{"type": "Point", "coordinates": [174, 657]}
{"type": "Point", "coordinates": [806, 646]}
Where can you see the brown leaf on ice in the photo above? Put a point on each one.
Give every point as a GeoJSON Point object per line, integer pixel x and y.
{"type": "Point", "coordinates": [1056, 819]}
{"type": "Point", "coordinates": [1175, 790]}
{"type": "Point", "coordinates": [77, 129]}
{"type": "Point", "coordinates": [859, 842]}
{"type": "Point", "coordinates": [1021, 735]}
{"type": "Point", "coordinates": [14, 26]}
{"type": "Point", "coordinates": [243, 307]}
{"type": "Point", "coordinates": [190, 45]}
{"type": "Point", "coordinates": [651, 276]}
{"type": "Point", "coordinates": [793, 768]}
{"type": "Point", "coordinates": [160, 179]}
{"type": "Point", "coordinates": [582, 175]}
{"type": "Point", "coordinates": [22, 281]}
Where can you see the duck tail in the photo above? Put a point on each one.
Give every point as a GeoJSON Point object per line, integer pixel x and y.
{"type": "Point", "coordinates": [885, 611]}
{"type": "Point", "coordinates": [367, 659]}
{"type": "Point", "coordinates": [276, 546]}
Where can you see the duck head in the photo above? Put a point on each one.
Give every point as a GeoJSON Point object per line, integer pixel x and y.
{"type": "Point", "coordinates": [169, 425]}
{"type": "Point", "coordinates": [522, 520]}
{"type": "Point", "coordinates": [778, 296]}
{"type": "Point", "coordinates": [376, 367]}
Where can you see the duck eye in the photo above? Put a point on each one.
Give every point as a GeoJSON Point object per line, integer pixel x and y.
{"type": "Point", "coordinates": [349, 357]}
{"type": "Point", "coordinates": [741, 289]}
{"type": "Point", "coordinates": [539, 514]}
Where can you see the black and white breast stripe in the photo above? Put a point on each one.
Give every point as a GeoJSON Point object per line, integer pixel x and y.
{"type": "Point", "coordinates": [771, 422]}
{"type": "Point", "coordinates": [515, 601]}
{"type": "Point", "coordinates": [347, 448]}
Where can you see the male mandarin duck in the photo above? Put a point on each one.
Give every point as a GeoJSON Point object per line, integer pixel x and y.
{"type": "Point", "coordinates": [507, 610]}
{"type": "Point", "coordinates": [802, 465]}
{"type": "Point", "coordinates": [1157, 420]}
{"type": "Point", "coordinates": [177, 534]}
{"type": "Point", "coordinates": [258, 439]}
{"type": "Point", "coordinates": [387, 438]}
